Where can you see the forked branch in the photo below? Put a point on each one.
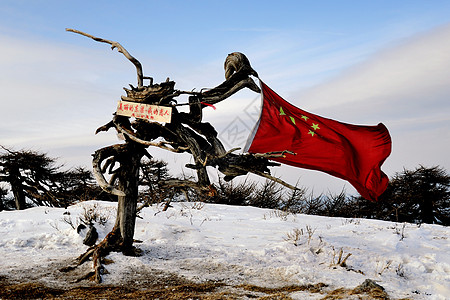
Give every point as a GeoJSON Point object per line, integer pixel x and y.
{"type": "Point", "coordinates": [162, 144]}
{"type": "Point", "coordinates": [121, 49]}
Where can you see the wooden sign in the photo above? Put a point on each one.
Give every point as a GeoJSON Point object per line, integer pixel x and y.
{"type": "Point", "coordinates": [144, 111]}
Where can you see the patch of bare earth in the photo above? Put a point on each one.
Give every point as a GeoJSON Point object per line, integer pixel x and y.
{"type": "Point", "coordinates": [49, 283]}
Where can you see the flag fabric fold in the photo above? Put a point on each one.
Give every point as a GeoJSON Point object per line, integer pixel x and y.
{"type": "Point", "coordinates": [351, 152]}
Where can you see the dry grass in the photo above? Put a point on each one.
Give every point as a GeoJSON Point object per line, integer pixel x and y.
{"type": "Point", "coordinates": [182, 290]}
{"type": "Point", "coordinates": [206, 291]}
{"type": "Point", "coordinates": [203, 291]}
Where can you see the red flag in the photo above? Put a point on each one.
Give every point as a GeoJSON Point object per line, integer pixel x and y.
{"type": "Point", "coordinates": [351, 152]}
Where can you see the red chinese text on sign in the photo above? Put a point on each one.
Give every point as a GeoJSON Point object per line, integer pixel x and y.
{"type": "Point", "coordinates": [144, 111]}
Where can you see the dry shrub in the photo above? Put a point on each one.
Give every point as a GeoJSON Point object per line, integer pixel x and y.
{"type": "Point", "coordinates": [94, 214]}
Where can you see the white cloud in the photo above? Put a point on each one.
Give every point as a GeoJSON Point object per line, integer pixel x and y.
{"type": "Point", "coordinates": [418, 66]}
{"type": "Point", "coordinates": [51, 93]}
{"type": "Point", "coordinates": [405, 86]}
{"type": "Point", "coordinates": [55, 95]}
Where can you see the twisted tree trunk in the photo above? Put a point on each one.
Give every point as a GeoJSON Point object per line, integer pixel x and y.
{"type": "Point", "coordinates": [128, 183]}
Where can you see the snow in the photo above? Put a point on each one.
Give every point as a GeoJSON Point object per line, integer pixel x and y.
{"type": "Point", "coordinates": [236, 245]}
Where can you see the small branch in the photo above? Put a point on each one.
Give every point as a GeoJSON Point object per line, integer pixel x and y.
{"type": "Point", "coordinates": [7, 150]}
{"type": "Point", "coordinates": [343, 262]}
{"type": "Point", "coordinates": [274, 154]}
{"type": "Point", "coordinates": [340, 262]}
{"type": "Point", "coordinates": [227, 89]}
{"type": "Point", "coordinates": [105, 127]}
{"type": "Point", "coordinates": [97, 267]}
{"type": "Point", "coordinates": [228, 152]}
{"type": "Point", "coordinates": [180, 183]}
{"type": "Point", "coordinates": [268, 176]}
{"type": "Point", "coordinates": [85, 256]}
{"type": "Point", "coordinates": [121, 49]}
{"type": "Point", "coordinates": [205, 162]}
{"type": "Point", "coordinates": [277, 180]}
{"type": "Point", "coordinates": [161, 145]}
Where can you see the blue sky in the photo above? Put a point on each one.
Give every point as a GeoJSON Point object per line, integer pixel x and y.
{"type": "Point", "coordinates": [360, 62]}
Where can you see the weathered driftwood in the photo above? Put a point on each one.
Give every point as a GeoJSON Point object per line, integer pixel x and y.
{"type": "Point", "coordinates": [237, 72]}
{"type": "Point", "coordinates": [150, 94]}
{"type": "Point", "coordinates": [134, 61]}
{"type": "Point", "coordinates": [185, 133]}
{"type": "Point", "coordinates": [98, 157]}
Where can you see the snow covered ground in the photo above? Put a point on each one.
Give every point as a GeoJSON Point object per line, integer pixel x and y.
{"type": "Point", "coordinates": [236, 245]}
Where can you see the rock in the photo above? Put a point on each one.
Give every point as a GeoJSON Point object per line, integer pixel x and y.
{"type": "Point", "coordinates": [368, 285]}
{"type": "Point", "coordinates": [91, 237]}
{"type": "Point", "coordinates": [371, 288]}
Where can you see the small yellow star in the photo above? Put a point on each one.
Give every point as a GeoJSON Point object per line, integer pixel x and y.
{"type": "Point", "coordinates": [312, 133]}
{"type": "Point", "coordinates": [315, 126]}
{"type": "Point", "coordinates": [305, 118]}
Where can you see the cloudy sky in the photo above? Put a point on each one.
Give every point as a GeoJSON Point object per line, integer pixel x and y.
{"type": "Point", "coordinates": [360, 62]}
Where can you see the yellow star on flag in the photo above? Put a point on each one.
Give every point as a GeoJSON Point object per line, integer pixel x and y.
{"type": "Point", "coordinates": [315, 126]}
{"type": "Point", "coordinates": [312, 133]}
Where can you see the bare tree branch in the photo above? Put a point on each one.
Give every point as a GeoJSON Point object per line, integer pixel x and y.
{"type": "Point", "coordinates": [274, 154]}
{"type": "Point", "coordinates": [161, 144]}
{"type": "Point", "coordinates": [268, 176]}
{"type": "Point", "coordinates": [121, 49]}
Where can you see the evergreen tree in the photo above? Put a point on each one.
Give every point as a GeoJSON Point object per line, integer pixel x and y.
{"type": "Point", "coordinates": [419, 196]}
{"type": "Point", "coordinates": [35, 177]}
{"type": "Point", "coordinates": [30, 175]}
{"type": "Point", "coordinates": [152, 175]}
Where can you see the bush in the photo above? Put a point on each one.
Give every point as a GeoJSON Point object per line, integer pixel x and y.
{"type": "Point", "coordinates": [153, 173]}
{"type": "Point", "coordinates": [414, 196]}
{"type": "Point", "coordinates": [234, 193]}
{"type": "Point", "coordinates": [5, 203]}
{"type": "Point", "coordinates": [270, 195]}
{"type": "Point", "coordinates": [418, 196]}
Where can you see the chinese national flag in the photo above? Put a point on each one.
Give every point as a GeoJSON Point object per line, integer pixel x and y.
{"type": "Point", "coordinates": [351, 152]}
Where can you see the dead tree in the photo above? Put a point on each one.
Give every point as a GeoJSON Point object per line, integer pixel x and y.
{"type": "Point", "coordinates": [185, 133]}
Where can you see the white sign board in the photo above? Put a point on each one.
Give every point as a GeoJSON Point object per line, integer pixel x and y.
{"type": "Point", "coordinates": [144, 111]}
